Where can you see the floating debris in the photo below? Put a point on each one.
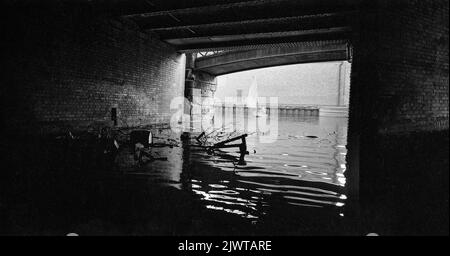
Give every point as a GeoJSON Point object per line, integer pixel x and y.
{"type": "Point", "coordinates": [140, 151]}
{"type": "Point", "coordinates": [221, 140]}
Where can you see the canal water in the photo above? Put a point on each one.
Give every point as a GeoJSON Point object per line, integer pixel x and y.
{"type": "Point", "coordinates": [297, 159]}
{"type": "Point", "coordinates": [293, 181]}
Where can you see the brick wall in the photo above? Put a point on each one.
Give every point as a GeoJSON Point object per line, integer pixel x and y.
{"type": "Point", "coordinates": [201, 95]}
{"type": "Point", "coordinates": [70, 68]}
{"type": "Point", "coordinates": [401, 60]}
{"type": "Point", "coordinates": [399, 112]}
{"type": "Point", "coordinates": [416, 52]}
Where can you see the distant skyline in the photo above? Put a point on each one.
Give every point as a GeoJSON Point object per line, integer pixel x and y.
{"type": "Point", "coordinates": [299, 84]}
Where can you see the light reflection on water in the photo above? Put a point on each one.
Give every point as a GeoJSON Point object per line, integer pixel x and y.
{"type": "Point", "coordinates": [303, 167]}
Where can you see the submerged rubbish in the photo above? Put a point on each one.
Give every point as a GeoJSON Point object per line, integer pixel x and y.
{"type": "Point", "coordinates": [140, 151]}
{"type": "Point", "coordinates": [224, 144]}
{"type": "Point", "coordinates": [143, 141]}
{"type": "Point", "coordinates": [217, 139]}
{"type": "Point", "coordinates": [144, 137]}
{"type": "Point", "coordinates": [97, 147]}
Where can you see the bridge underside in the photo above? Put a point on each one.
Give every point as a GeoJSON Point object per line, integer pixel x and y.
{"type": "Point", "coordinates": [234, 61]}
{"type": "Point", "coordinates": [253, 34]}
{"type": "Point", "coordinates": [208, 25]}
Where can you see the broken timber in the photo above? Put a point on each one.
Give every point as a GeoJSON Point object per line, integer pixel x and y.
{"type": "Point", "coordinates": [224, 144]}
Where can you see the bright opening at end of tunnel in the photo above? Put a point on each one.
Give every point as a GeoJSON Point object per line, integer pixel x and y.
{"type": "Point", "coordinates": [296, 119]}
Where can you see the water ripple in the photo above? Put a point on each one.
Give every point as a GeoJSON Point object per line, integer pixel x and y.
{"type": "Point", "coordinates": [296, 170]}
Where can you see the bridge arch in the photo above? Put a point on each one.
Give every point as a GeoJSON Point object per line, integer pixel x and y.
{"type": "Point", "coordinates": [240, 60]}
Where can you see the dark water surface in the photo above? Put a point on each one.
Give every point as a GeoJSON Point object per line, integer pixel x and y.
{"type": "Point", "coordinates": [301, 164]}
{"type": "Point", "coordinates": [293, 181]}
{"type": "Point", "coordinates": [294, 185]}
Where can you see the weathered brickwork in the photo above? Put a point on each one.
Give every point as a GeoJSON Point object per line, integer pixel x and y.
{"type": "Point", "coordinates": [399, 108]}
{"type": "Point", "coordinates": [401, 60]}
{"type": "Point", "coordinates": [208, 86]}
{"type": "Point", "coordinates": [201, 95]}
{"type": "Point", "coordinates": [70, 70]}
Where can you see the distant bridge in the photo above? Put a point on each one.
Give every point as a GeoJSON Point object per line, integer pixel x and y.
{"type": "Point", "coordinates": [226, 62]}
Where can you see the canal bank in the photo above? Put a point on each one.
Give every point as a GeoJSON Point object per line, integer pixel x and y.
{"type": "Point", "coordinates": [295, 110]}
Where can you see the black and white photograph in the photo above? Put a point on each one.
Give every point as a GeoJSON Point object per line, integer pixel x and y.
{"type": "Point", "coordinates": [242, 119]}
